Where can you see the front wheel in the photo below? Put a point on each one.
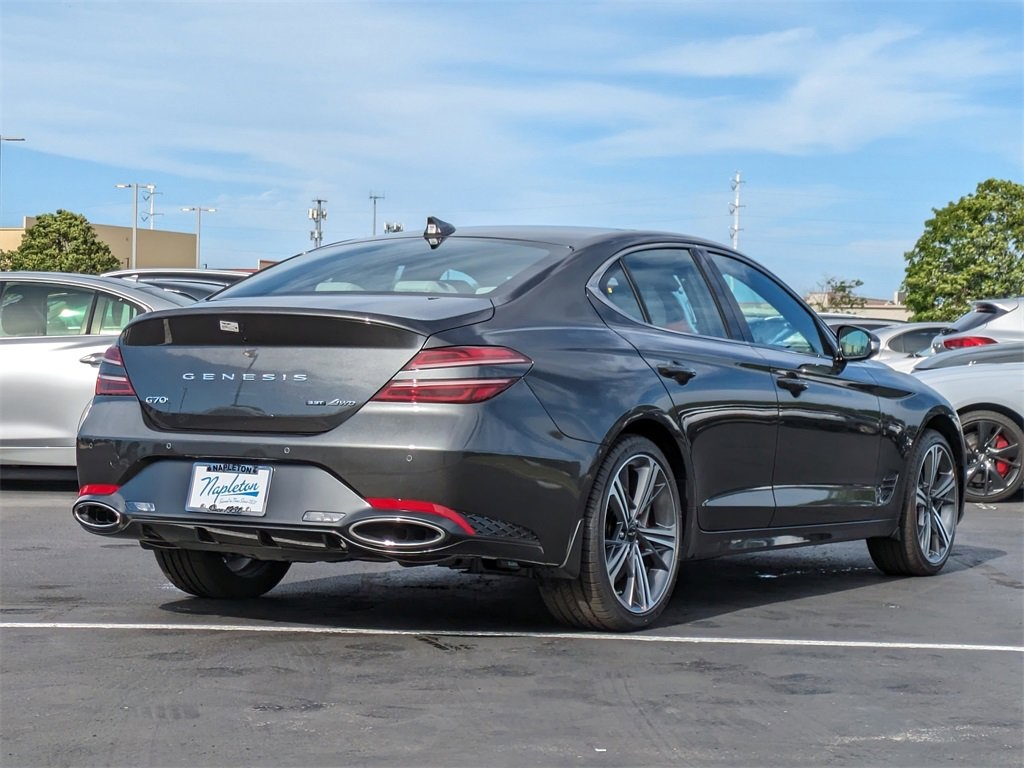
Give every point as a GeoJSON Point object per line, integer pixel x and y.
{"type": "Point", "coordinates": [931, 509]}
{"type": "Point", "coordinates": [219, 574]}
{"type": "Point", "coordinates": [632, 530]}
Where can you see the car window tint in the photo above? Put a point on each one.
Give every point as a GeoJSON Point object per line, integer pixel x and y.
{"type": "Point", "coordinates": [38, 309]}
{"type": "Point", "coordinates": [615, 287]}
{"type": "Point", "coordinates": [674, 291]}
{"type": "Point", "coordinates": [774, 317]}
{"type": "Point", "coordinates": [112, 314]}
{"type": "Point", "coordinates": [913, 341]}
{"type": "Point", "coordinates": [460, 266]}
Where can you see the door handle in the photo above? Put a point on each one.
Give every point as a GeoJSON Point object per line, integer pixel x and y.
{"type": "Point", "coordinates": [92, 359]}
{"type": "Point", "coordinates": [677, 372]}
{"type": "Point", "coordinates": [792, 383]}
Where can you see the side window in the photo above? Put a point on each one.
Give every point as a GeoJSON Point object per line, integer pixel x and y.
{"type": "Point", "coordinates": [37, 309]}
{"type": "Point", "coordinates": [615, 287]}
{"type": "Point", "coordinates": [112, 314]}
{"type": "Point", "coordinates": [674, 291]}
{"type": "Point", "coordinates": [914, 341]}
{"type": "Point", "coordinates": [774, 317]}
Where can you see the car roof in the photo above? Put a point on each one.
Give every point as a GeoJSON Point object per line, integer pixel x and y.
{"type": "Point", "coordinates": [151, 296]}
{"type": "Point", "coordinates": [572, 236]}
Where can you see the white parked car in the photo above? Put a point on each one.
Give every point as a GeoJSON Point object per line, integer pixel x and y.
{"type": "Point", "coordinates": [989, 397]}
{"type": "Point", "coordinates": [902, 340]}
{"type": "Point", "coordinates": [989, 321]}
{"type": "Point", "coordinates": [54, 329]}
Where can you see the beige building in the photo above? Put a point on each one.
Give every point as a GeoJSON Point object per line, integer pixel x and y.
{"type": "Point", "coordinates": [154, 247]}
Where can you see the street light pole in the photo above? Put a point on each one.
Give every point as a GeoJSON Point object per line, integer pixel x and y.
{"type": "Point", "coordinates": [135, 218]}
{"type": "Point", "coordinates": [2, 140]}
{"type": "Point", "coordinates": [199, 224]}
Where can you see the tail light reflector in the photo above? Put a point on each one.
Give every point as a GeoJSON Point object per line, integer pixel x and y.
{"type": "Point", "coordinates": [112, 378]}
{"type": "Point", "coordinates": [463, 377]}
{"type": "Point", "coordinates": [967, 341]}
{"type": "Point", "coordinates": [98, 489]}
{"type": "Point", "coordinates": [428, 507]}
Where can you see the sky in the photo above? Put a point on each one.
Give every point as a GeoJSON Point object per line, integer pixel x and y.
{"type": "Point", "coordinates": [848, 122]}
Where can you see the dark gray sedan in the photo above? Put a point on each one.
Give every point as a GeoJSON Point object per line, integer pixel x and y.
{"type": "Point", "coordinates": [588, 407]}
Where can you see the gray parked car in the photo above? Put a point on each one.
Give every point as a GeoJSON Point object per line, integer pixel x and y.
{"type": "Point", "coordinates": [988, 322]}
{"type": "Point", "coordinates": [193, 283]}
{"type": "Point", "coordinates": [54, 329]}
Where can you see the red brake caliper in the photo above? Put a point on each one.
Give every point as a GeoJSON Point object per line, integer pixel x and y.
{"type": "Point", "coordinates": [1002, 467]}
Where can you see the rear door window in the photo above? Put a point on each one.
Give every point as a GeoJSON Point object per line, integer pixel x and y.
{"type": "Point", "coordinates": [38, 309]}
{"type": "Point", "coordinates": [674, 292]}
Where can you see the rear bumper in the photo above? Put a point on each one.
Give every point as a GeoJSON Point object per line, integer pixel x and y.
{"type": "Point", "coordinates": [512, 482]}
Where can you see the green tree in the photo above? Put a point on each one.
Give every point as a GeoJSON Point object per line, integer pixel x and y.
{"type": "Point", "coordinates": [837, 294]}
{"type": "Point", "coordinates": [972, 249]}
{"type": "Point", "coordinates": [60, 242]}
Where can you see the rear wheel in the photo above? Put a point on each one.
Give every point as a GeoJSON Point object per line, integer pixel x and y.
{"type": "Point", "coordinates": [219, 574]}
{"type": "Point", "coordinates": [631, 537]}
{"type": "Point", "coordinates": [930, 512]}
{"type": "Point", "coordinates": [993, 445]}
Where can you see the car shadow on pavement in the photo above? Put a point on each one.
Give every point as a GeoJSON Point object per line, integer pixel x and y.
{"type": "Point", "coordinates": [431, 599]}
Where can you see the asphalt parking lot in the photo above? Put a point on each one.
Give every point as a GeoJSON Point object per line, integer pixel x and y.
{"type": "Point", "coordinates": [807, 657]}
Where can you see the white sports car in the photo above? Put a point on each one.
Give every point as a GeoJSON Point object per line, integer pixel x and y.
{"type": "Point", "coordinates": [989, 397]}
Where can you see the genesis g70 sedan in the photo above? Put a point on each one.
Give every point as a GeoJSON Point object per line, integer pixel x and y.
{"type": "Point", "coordinates": [588, 407]}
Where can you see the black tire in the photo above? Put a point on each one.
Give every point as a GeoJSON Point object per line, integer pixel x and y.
{"type": "Point", "coordinates": [633, 520]}
{"type": "Point", "coordinates": [931, 510]}
{"type": "Point", "coordinates": [993, 441]}
{"type": "Point", "coordinates": [219, 574]}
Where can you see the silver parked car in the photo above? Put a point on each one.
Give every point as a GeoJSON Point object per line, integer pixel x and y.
{"type": "Point", "coordinates": [54, 329]}
{"type": "Point", "coordinates": [989, 397]}
{"type": "Point", "coordinates": [902, 340]}
{"type": "Point", "coordinates": [987, 322]}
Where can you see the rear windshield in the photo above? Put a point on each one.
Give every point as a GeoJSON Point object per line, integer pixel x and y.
{"type": "Point", "coordinates": [460, 266]}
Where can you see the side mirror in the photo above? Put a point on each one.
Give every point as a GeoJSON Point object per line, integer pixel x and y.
{"type": "Point", "coordinates": [856, 344]}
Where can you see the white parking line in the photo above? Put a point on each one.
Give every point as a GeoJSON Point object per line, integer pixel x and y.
{"type": "Point", "coordinates": [540, 635]}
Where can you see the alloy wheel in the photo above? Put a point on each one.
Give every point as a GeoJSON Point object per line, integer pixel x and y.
{"type": "Point", "coordinates": [993, 460]}
{"type": "Point", "coordinates": [641, 535]}
{"type": "Point", "coordinates": [936, 503]}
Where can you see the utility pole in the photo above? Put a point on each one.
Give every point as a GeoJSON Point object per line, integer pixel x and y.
{"type": "Point", "coordinates": [135, 217]}
{"type": "Point", "coordinates": [2, 140]}
{"type": "Point", "coordinates": [375, 198]}
{"type": "Point", "coordinates": [734, 209]}
{"type": "Point", "coordinates": [152, 193]}
{"type": "Point", "coordinates": [318, 215]}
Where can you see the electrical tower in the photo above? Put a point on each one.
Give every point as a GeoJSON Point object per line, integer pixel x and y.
{"type": "Point", "coordinates": [375, 198]}
{"type": "Point", "coordinates": [734, 209]}
{"type": "Point", "coordinates": [318, 215]}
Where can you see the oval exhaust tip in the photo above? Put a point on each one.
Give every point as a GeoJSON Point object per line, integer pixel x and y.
{"type": "Point", "coordinates": [98, 518]}
{"type": "Point", "coordinates": [397, 533]}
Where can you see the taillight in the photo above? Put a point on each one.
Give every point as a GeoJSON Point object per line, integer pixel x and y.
{"type": "Point", "coordinates": [967, 341]}
{"type": "Point", "coordinates": [112, 378]}
{"type": "Point", "coordinates": [455, 375]}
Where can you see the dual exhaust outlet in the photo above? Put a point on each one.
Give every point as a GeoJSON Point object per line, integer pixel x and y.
{"type": "Point", "coordinates": [388, 534]}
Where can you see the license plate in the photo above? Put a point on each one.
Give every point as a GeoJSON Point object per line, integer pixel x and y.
{"type": "Point", "coordinates": [229, 489]}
